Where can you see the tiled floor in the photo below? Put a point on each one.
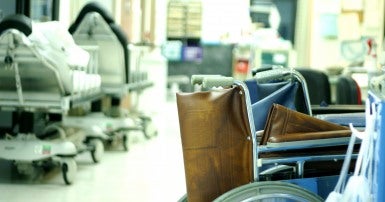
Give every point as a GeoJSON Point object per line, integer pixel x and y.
{"type": "Point", "coordinates": [151, 171]}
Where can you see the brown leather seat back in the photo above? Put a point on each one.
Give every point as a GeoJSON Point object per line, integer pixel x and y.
{"type": "Point", "coordinates": [216, 141]}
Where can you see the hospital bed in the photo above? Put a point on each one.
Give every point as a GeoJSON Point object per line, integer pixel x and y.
{"type": "Point", "coordinates": [290, 179]}
{"type": "Point", "coordinates": [95, 27]}
{"type": "Point", "coordinates": [43, 76]}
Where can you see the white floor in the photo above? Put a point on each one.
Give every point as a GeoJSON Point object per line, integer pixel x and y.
{"type": "Point", "coordinates": [152, 170]}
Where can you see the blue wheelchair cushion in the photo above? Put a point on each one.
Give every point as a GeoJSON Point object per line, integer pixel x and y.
{"type": "Point", "coordinates": [264, 95]}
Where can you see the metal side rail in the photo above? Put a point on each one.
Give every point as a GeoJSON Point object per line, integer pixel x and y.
{"type": "Point", "coordinates": [41, 101]}
{"type": "Point", "coordinates": [137, 86]}
{"type": "Point", "coordinates": [121, 90]}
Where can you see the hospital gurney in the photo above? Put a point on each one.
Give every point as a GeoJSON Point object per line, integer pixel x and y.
{"type": "Point", "coordinates": [217, 130]}
{"type": "Point", "coordinates": [95, 27]}
{"type": "Point", "coordinates": [40, 81]}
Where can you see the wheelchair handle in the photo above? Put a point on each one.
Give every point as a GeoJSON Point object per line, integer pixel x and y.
{"type": "Point", "coordinates": [271, 75]}
{"type": "Point", "coordinates": [210, 82]}
{"type": "Point", "coordinates": [377, 85]}
{"type": "Point", "coordinates": [265, 68]}
{"type": "Point", "coordinates": [198, 78]}
{"type": "Point", "coordinates": [282, 73]}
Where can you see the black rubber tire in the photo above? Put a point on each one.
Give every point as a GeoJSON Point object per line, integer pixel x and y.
{"type": "Point", "coordinates": [68, 168]}
{"type": "Point", "coordinates": [97, 151]}
{"type": "Point", "coordinates": [146, 124]}
{"type": "Point", "coordinates": [125, 142]}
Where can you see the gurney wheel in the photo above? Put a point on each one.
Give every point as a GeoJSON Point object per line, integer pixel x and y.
{"type": "Point", "coordinates": [68, 168]}
{"type": "Point", "coordinates": [269, 190]}
{"type": "Point", "coordinates": [97, 150]}
{"type": "Point", "coordinates": [125, 142]}
{"type": "Point", "coordinates": [149, 129]}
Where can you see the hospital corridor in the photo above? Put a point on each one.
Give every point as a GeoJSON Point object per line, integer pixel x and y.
{"type": "Point", "coordinates": [192, 100]}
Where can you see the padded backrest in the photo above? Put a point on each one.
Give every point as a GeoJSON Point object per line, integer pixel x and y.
{"type": "Point", "coordinates": [89, 30]}
{"type": "Point", "coordinates": [19, 22]}
{"type": "Point", "coordinates": [348, 91]}
{"type": "Point", "coordinates": [39, 67]}
{"type": "Point", "coordinates": [118, 31]}
{"type": "Point", "coordinates": [318, 85]}
{"type": "Point", "coordinates": [88, 8]}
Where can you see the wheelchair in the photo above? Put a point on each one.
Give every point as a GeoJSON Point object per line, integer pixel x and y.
{"type": "Point", "coordinates": [224, 155]}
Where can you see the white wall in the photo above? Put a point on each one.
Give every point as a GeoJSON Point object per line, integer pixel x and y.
{"type": "Point", "coordinates": [69, 9]}
{"type": "Point", "coordinates": [161, 21]}
{"type": "Point", "coordinates": [64, 13]}
{"type": "Point", "coordinates": [224, 16]}
{"type": "Point", "coordinates": [325, 52]}
{"type": "Point", "coordinates": [302, 34]}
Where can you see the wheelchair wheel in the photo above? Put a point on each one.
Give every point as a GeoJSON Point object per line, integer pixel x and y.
{"type": "Point", "coordinates": [183, 198]}
{"type": "Point", "coordinates": [268, 191]}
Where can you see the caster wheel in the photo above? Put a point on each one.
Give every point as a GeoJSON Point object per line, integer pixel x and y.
{"type": "Point", "coordinates": [125, 142]}
{"type": "Point", "coordinates": [149, 129]}
{"type": "Point", "coordinates": [97, 150]}
{"type": "Point", "coordinates": [68, 168]}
